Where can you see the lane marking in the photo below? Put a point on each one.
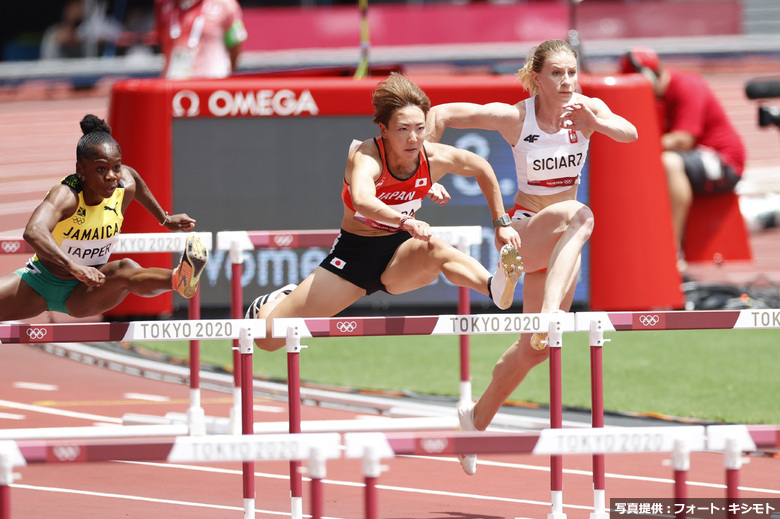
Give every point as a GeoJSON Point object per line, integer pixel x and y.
{"type": "Point", "coordinates": [36, 386]}
{"type": "Point", "coordinates": [11, 416]}
{"type": "Point", "coordinates": [143, 396]}
{"type": "Point", "coordinates": [268, 408]}
{"type": "Point", "coordinates": [59, 412]}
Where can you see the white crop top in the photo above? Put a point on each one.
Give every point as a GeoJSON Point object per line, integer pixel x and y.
{"type": "Point", "coordinates": [547, 163]}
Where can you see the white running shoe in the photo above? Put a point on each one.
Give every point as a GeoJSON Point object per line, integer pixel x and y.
{"type": "Point", "coordinates": [466, 419]}
{"type": "Point", "coordinates": [502, 287]}
{"type": "Point", "coordinates": [254, 306]}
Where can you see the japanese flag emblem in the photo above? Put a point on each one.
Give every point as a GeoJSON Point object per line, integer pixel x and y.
{"type": "Point", "coordinates": [338, 263]}
{"type": "Point", "coordinates": [420, 182]}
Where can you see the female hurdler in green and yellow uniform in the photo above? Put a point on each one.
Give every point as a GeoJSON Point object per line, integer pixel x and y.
{"type": "Point", "coordinates": [73, 230]}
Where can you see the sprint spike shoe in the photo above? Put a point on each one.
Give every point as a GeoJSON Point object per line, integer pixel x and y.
{"type": "Point", "coordinates": [466, 419]}
{"type": "Point", "coordinates": [186, 276]}
{"type": "Point", "coordinates": [502, 287]}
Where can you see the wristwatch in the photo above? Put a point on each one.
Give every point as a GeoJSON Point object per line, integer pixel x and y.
{"type": "Point", "coordinates": [504, 221]}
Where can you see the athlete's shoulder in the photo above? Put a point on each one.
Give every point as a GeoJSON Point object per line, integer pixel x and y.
{"type": "Point", "coordinates": [73, 182]}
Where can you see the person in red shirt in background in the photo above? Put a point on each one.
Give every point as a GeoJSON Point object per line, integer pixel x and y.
{"type": "Point", "coordinates": [702, 152]}
{"type": "Point", "coordinates": [199, 38]}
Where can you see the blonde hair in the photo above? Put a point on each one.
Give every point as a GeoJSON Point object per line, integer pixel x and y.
{"type": "Point", "coordinates": [536, 59]}
{"type": "Point", "coordinates": [397, 91]}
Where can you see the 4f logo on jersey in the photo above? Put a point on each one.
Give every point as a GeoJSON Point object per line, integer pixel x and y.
{"type": "Point", "coordinates": [572, 136]}
{"type": "Point", "coordinates": [532, 138]}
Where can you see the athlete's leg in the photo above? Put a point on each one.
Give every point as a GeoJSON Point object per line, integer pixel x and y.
{"type": "Point", "coordinates": [123, 277]}
{"type": "Point", "coordinates": [680, 191]}
{"type": "Point", "coordinates": [516, 362]}
{"type": "Point", "coordinates": [553, 239]}
{"type": "Point", "coordinates": [417, 264]}
{"type": "Point", "coordinates": [18, 300]}
{"type": "Point", "coordinates": [321, 294]}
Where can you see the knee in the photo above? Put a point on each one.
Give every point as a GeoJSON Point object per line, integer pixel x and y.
{"type": "Point", "coordinates": [120, 268]}
{"type": "Point", "coordinates": [583, 220]}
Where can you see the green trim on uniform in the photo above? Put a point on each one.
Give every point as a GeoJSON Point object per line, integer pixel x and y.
{"type": "Point", "coordinates": [53, 289]}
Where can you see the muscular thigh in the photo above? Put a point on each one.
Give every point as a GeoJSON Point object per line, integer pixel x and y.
{"type": "Point", "coordinates": [416, 264]}
{"type": "Point", "coordinates": [540, 234]}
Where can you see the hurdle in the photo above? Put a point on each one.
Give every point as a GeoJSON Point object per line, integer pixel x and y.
{"type": "Point", "coordinates": [242, 330]}
{"type": "Point", "coordinates": [133, 243]}
{"type": "Point", "coordinates": [596, 323]}
{"type": "Point", "coordinates": [237, 243]}
{"type": "Point", "coordinates": [372, 448]}
{"type": "Point", "coordinates": [317, 447]}
{"type": "Point", "coordinates": [555, 324]}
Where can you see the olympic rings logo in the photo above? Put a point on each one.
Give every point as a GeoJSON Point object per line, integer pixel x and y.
{"type": "Point", "coordinates": [66, 452]}
{"type": "Point", "coordinates": [649, 320]}
{"type": "Point", "coordinates": [434, 444]}
{"type": "Point", "coordinates": [36, 334]}
{"type": "Point", "coordinates": [11, 246]}
{"type": "Point", "coordinates": [283, 240]}
{"type": "Point", "coordinates": [346, 326]}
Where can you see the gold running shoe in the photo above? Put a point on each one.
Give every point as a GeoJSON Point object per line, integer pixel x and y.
{"type": "Point", "coordinates": [502, 287]}
{"type": "Point", "coordinates": [186, 276]}
{"type": "Point", "coordinates": [539, 341]}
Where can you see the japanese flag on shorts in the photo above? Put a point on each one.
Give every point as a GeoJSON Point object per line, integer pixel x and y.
{"type": "Point", "coordinates": [338, 263]}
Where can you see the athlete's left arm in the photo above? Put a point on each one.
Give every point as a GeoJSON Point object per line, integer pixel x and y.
{"type": "Point", "coordinates": [448, 159]}
{"type": "Point", "coordinates": [136, 189]}
{"type": "Point", "coordinates": [590, 114]}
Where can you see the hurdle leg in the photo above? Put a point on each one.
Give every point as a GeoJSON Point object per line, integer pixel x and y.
{"type": "Point", "coordinates": [294, 347]}
{"type": "Point", "coordinates": [247, 423]}
{"type": "Point", "coordinates": [196, 416]}
{"type": "Point", "coordinates": [732, 458]}
{"type": "Point", "coordinates": [681, 462]}
{"type": "Point", "coordinates": [372, 468]}
{"type": "Point", "coordinates": [317, 472]}
{"type": "Point", "coordinates": [597, 417]}
{"type": "Point", "coordinates": [6, 478]}
{"type": "Point", "coordinates": [236, 256]}
{"type": "Point", "coordinates": [464, 308]}
{"type": "Point", "coordinates": [554, 342]}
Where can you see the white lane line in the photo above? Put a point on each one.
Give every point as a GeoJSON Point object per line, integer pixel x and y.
{"type": "Point", "coordinates": [36, 386]}
{"type": "Point", "coordinates": [59, 412]}
{"type": "Point", "coordinates": [144, 499]}
{"type": "Point", "coordinates": [268, 408]}
{"type": "Point", "coordinates": [143, 396]}
{"type": "Point", "coordinates": [12, 416]}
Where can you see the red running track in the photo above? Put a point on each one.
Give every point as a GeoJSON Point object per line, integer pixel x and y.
{"type": "Point", "coordinates": [39, 389]}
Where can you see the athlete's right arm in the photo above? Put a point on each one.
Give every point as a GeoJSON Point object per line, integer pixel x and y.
{"type": "Point", "coordinates": [500, 117]}
{"type": "Point", "coordinates": [60, 203]}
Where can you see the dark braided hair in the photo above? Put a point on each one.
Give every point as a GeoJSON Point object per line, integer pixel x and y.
{"type": "Point", "coordinates": [96, 132]}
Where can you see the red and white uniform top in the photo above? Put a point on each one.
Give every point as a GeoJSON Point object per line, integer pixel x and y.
{"type": "Point", "coordinates": [405, 196]}
{"type": "Point", "coordinates": [547, 163]}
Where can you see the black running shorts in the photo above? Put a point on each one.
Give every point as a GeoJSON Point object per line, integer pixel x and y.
{"type": "Point", "coordinates": [362, 260]}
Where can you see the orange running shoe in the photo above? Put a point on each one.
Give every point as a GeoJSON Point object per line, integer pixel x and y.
{"type": "Point", "coordinates": [186, 276]}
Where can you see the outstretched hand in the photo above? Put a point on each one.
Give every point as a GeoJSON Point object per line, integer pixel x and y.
{"type": "Point", "coordinates": [507, 235]}
{"type": "Point", "coordinates": [179, 222]}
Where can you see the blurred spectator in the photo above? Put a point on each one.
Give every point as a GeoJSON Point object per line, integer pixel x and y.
{"type": "Point", "coordinates": [81, 32]}
{"type": "Point", "coordinates": [62, 40]}
{"type": "Point", "coordinates": [702, 152]}
{"type": "Point", "coordinates": [199, 38]}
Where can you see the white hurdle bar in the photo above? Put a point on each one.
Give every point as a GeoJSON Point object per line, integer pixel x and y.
{"type": "Point", "coordinates": [294, 329]}
{"type": "Point", "coordinates": [135, 243]}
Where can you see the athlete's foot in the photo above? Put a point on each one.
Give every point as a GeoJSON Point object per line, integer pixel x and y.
{"type": "Point", "coordinates": [186, 276]}
{"type": "Point", "coordinates": [466, 419]}
{"type": "Point", "coordinates": [254, 306]}
{"type": "Point", "coordinates": [502, 285]}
